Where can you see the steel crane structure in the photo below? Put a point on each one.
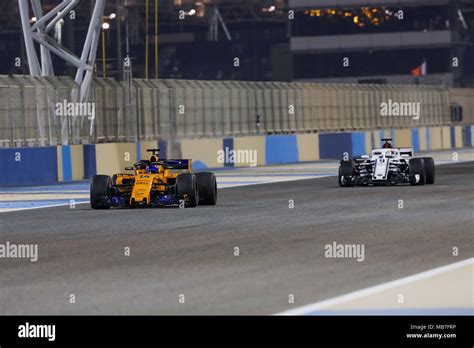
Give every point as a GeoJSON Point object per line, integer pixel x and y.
{"type": "Point", "coordinates": [38, 32]}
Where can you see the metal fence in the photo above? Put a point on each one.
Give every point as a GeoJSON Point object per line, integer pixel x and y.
{"type": "Point", "coordinates": [169, 109]}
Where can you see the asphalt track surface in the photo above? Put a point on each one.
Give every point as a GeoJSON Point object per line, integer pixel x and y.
{"type": "Point", "coordinates": [191, 251]}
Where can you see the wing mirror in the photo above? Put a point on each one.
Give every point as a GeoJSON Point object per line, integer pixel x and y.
{"type": "Point", "coordinates": [365, 156]}
{"type": "Point", "coordinates": [129, 168]}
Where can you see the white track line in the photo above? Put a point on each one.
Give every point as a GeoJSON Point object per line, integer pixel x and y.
{"type": "Point", "coordinates": [325, 304]}
{"type": "Point", "coordinates": [9, 210]}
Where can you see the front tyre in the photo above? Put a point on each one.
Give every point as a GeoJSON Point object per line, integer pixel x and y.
{"type": "Point", "coordinates": [207, 186]}
{"type": "Point", "coordinates": [429, 165]}
{"type": "Point", "coordinates": [100, 191]}
{"type": "Point", "coordinates": [346, 173]}
{"type": "Point", "coordinates": [416, 169]}
{"type": "Point", "coordinates": [187, 186]}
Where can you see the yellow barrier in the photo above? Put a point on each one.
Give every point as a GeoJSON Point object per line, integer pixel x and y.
{"type": "Point", "coordinates": [256, 143]}
{"type": "Point", "coordinates": [403, 137]}
{"type": "Point", "coordinates": [308, 147]}
{"type": "Point", "coordinates": [422, 136]}
{"type": "Point", "coordinates": [113, 158]}
{"type": "Point", "coordinates": [204, 150]}
{"type": "Point", "coordinates": [446, 137]}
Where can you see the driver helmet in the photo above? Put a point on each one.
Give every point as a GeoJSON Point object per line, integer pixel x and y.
{"type": "Point", "coordinates": [152, 169]}
{"type": "Point", "coordinates": [387, 145]}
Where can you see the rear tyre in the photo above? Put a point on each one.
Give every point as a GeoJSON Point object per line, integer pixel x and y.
{"type": "Point", "coordinates": [346, 173]}
{"type": "Point", "coordinates": [429, 165]}
{"type": "Point", "coordinates": [416, 167]}
{"type": "Point", "coordinates": [207, 186]}
{"type": "Point", "coordinates": [187, 186]}
{"type": "Point", "coordinates": [100, 191]}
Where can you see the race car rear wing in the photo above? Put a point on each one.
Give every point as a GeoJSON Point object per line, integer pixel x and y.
{"type": "Point", "coordinates": [176, 164]}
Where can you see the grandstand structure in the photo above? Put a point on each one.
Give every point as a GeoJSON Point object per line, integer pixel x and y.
{"type": "Point", "coordinates": [384, 41]}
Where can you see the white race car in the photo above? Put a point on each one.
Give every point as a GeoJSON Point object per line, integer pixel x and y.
{"type": "Point", "coordinates": [387, 166]}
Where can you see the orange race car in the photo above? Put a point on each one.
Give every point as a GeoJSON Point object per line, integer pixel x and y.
{"type": "Point", "coordinates": [155, 182]}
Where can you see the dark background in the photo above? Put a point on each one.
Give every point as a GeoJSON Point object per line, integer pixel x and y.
{"type": "Point", "coordinates": [261, 36]}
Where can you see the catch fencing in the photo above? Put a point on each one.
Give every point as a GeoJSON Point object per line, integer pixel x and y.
{"type": "Point", "coordinates": [171, 109]}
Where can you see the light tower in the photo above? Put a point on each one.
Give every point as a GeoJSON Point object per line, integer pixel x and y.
{"type": "Point", "coordinates": [39, 32]}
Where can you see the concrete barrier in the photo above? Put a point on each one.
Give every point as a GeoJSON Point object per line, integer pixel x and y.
{"type": "Point", "coordinates": [252, 143]}
{"type": "Point", "coordinates": [422, 138]}
{"type": "Point", "coordinates": [28, 166]}
{"type": "Point", "coordinates": [203, 152]}
{"type": "Point", "coordinates": [415, 139]}
{"type": "Point", "coordinates": [46, 165]}
{"type": "Point", "coordinates": [446, 137]}
{"type": "Point", "coordinates": [467, 139]}
{"type": "Point", "coordinates": [457, 137]}
{"type": "Point", "coordinates": [358, 143]}
{"type": "Point", "coordinates": [308, 147]}
{"type": "Point", "coordinates": [281, 149]}
{"type": "Point", "coordinates": [145, 145]}
{"type": "Point", "coordinates": [90, 166]}
{"type": "Point", "coordinates": [334, 145]}
{"type": "Point", "coordinates": [113, 158]}
{"type": "Point", "coordinates": [403, 137]}
{"type": "Point", "coordinates": [70, 159]}
{"type": "Point", "coordinates": [369, 141]}
{"type": "Point", "coordinates": [435, 139]}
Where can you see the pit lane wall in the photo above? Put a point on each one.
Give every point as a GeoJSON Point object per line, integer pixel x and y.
{"type": "Point", "coordinates": [46, 165]}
